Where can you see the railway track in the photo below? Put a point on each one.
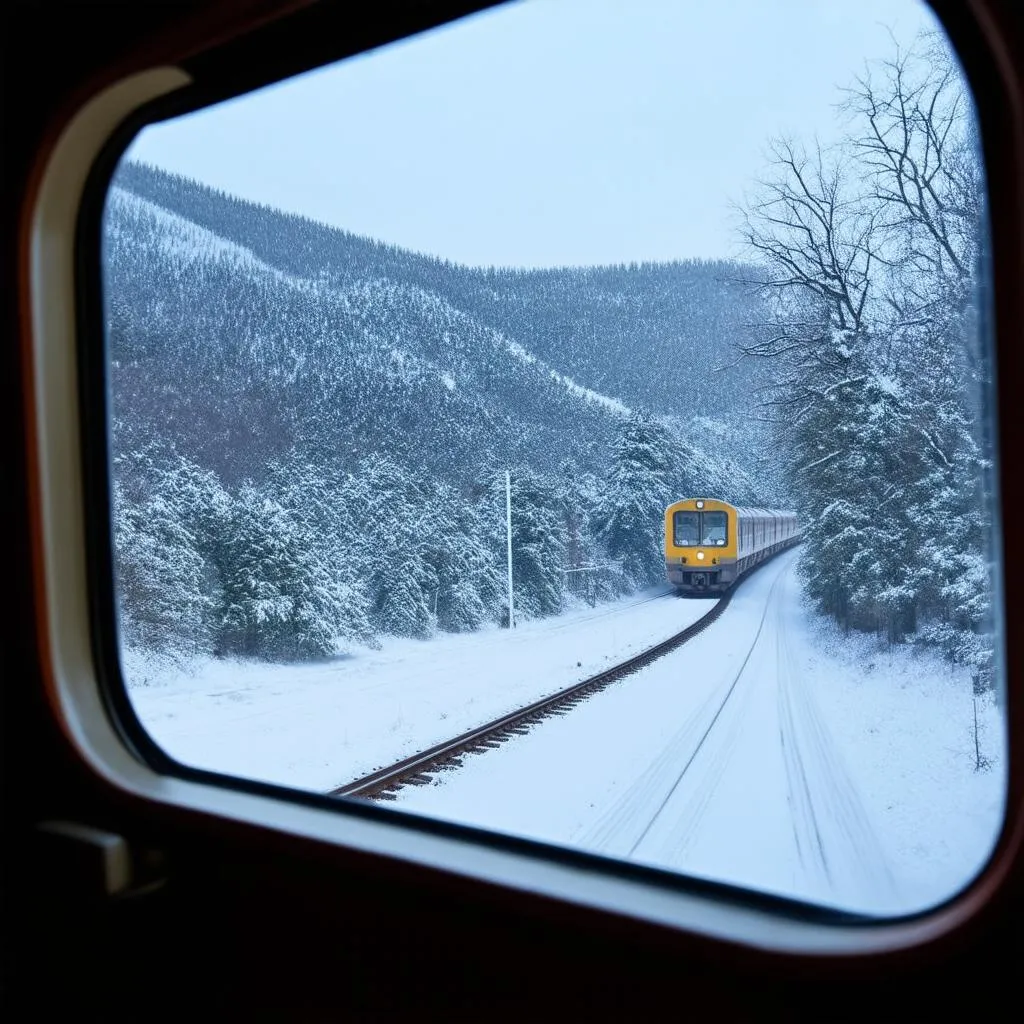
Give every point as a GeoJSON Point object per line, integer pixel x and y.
{"type": "Point", "coordinates": [418, 769]}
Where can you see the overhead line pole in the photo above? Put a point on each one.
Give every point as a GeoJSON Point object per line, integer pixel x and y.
{"type": "Point", "coordinates": [508, 535]}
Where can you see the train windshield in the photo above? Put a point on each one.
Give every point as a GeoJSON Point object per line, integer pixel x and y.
{"type": "Point", "coordinates": [713, 528]}
{"type": "Point", "coordinates": [693, 528]}
{"type": "Point", "coordinates": [687, 529]}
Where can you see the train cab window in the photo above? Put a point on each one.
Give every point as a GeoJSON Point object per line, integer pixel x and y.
{"type": "Point", "coordinates": [687, 529]}
{"type": "Point", "coordinates": [394, 369]}
{"type": "Point", "coordinates": [714, 528]}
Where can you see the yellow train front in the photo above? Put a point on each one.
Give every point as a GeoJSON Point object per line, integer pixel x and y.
{"type": "Point", "coordinates": [710, 544]}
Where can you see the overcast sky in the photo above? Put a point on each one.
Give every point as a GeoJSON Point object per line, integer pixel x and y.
{"type": "Point", "coordinates": [545, 132]}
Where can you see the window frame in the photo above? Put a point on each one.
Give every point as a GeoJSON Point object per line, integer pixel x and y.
{"type": "Point", "coordinates": [71, 517]}
{"type": "Point", "coordinates": [725, 520]}
{"type": "Point", "coordinates": [675, 527]}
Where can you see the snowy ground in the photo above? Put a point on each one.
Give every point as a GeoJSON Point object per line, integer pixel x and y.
{"type": "Point", "coordinates": [770, 751]}
{"type": "Point", "coordinates": [763, 753]}
{"type": "Point", "coordinates": [320, 726]}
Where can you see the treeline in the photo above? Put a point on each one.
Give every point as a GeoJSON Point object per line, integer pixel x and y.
{"type": "Point", "coordinates": [316, 558]}
{"type": "Point", "coordinates": [311, 430]}
{"type": "Point", "coordinates": [876, 289]}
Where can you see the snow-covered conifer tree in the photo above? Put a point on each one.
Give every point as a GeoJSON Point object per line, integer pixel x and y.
{"type": "Point", "coordinates": [628, 519]}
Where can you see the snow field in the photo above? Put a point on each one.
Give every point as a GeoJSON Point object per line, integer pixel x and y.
{"type": "Point", "coordinates": [320, 726]}
{"type": "Point", "coordinates": [770, 751]}
{"type": "Point", "coordinates": [756, 755]}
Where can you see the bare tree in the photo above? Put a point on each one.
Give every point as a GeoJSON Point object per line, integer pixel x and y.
{"type": "Point", "coordinates": [917, 145]}
{"type": "Point", "coordinates": [816, 241]}
{"type": "Point", "coordinates": [877, 242]}
{"type": "Point", "coordinates": [869, 253]}
{"type": "Point", "coordinates": [811, 233]}
{"type": "Point", "coordinates": [916, 139]}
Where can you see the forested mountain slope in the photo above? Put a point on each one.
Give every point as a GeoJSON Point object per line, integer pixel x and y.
{"type": "Point", "coordinates": [372, 326]}
{"type": "Point", "coordinates": [250, 350]}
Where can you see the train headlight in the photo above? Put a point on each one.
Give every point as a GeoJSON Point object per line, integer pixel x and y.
{"type": "Point", "coordinates": [700, 556]}
{"type": "Point", "coordinates": [700, 504]}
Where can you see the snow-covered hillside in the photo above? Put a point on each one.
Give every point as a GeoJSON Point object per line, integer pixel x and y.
{"type": "Point", "coordinates": [310, 431]}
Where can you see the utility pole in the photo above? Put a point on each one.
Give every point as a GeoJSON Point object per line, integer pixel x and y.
{"type": "Point", "coordinates": [508, 535]}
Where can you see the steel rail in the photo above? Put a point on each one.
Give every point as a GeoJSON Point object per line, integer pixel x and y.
{"type": "Point", "coordinates": [418, 769]}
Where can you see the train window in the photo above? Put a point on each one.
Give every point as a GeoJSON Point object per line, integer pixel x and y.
{"type": "Point", "coordinates": [714, 528]}
{"type": "Point", "coordinates": [405, 359]}
{"type": "Point", "coordinates": [687, 529]}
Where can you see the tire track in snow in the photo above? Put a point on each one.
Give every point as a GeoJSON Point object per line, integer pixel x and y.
{"type": "Point", "coordinates": [624, 826]}
{"type": "Point", "coordinates": [708, 766]}
{"type": "Point", "coordinates": [832, 829]}
{"type": "Point", "coordinates": [803, 820]}
{"type": "Point", "coordinates": [620, 826]}
{"type": "Point", "coordinates": [718, 756]}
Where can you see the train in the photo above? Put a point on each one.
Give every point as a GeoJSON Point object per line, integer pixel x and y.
{"type": "Point", "coordinates": [710, 544]}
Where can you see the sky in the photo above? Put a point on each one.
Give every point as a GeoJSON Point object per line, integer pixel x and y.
{"type": "Point", "coordinates": [546, 132]}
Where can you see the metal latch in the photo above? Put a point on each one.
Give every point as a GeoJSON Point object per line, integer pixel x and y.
{"type": "Point", "coordinates": [92, 861]}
